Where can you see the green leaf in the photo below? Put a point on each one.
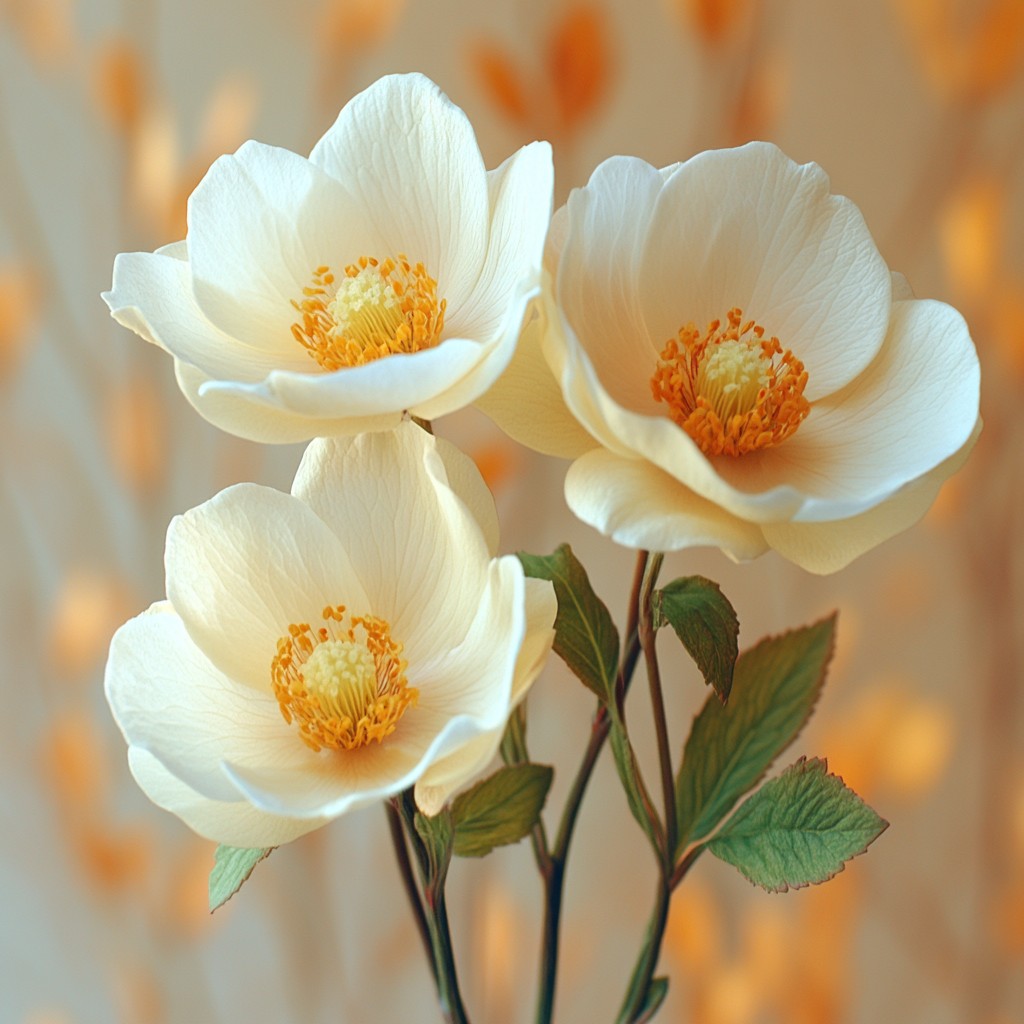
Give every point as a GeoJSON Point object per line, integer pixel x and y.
{"type": "Point", "coordinates": [730, 747]}
{"type": "Point", "coordinates": [436, 835]}
{"type": "Point", "coordinates": [501, 809]}
{"type": "Point", "coordinates": [655, 997]}
{"type": "Point", "coordinates": [798, 829]}
{"type": "Point", "coordinates": [629, 775]}
{"type": "Point", "coordinates": [707, 625]}
{"type": "Point", "coordinates": [585, 636]}
{"type": "Point", "coordinates": [232, 866]}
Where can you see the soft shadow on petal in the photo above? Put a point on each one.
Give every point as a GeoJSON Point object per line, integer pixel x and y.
{"type": "Point", "coordinates": [415, 546]}
{"type": "Point", "coordinates": [641, 507]}
{"type": "Point", "coordinates": [597, 277]}
{"type": "Point", "coordinates": [246, 564]}
{"type": "Point", "coordinates": [520, 203]}
{"type": "Point", "coordinates": [828, 547]}
{"type": "Point", "coordinates": [909, 411]}
{"type": "Point", "coordinates": [169, 699]}
{"type": "Point", "coordinates": [526, 401]}
{"type": "Point", "coordinates": [252, 414]}
{"type": "Point", "coordinates": [152, 296]}
{"type": "Point", "coordinates": [408, 155]}
{"type": "Point", "coordinates": [338, 781]}
{"type": "Point", "coordinates": [748, 227]}
{"type": "Point", "coordinates": [235, 823]}
{"type": "Point", "coordinates": [465, 480]}
{"type": "Point", "coordinates": [260, 222]}
{"type": "Point", "coordinates": [384, 386]}
{"type": "Point", "coordinates": [476, 678]}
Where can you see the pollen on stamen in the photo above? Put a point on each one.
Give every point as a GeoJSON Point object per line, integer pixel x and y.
{"type": "Point", "coordinates": [342, 683]}
{"type": "Point", "coordinates": [731, 389]}
{"type": "Point", "coordinates": [377, 308]}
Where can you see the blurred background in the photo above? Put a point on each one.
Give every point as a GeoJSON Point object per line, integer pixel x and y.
{"type": "Point", "coordinates": [110, 112]}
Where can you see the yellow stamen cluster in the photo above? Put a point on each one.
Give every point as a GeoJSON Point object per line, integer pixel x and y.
{"type": "Point", "coordinates": [378, 308]}
{"type": "Point", "coordinates": [732, 390]}
{"type": "Point", "coordinates": [343, 683]}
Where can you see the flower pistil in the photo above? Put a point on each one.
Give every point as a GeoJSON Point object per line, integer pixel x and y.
{"type": "Point", "coordinates": [378, 308]}
{"type": "Point", "coordinates": [731, 389]}
{"type": "Point", "coordinates": [343, 683]}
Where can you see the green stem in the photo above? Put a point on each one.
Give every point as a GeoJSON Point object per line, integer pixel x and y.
{"type": "Point", "coordinates": [648, 633]}
{"type": "Point", "coordinates": [452, 1008]}
{"type": "Point", "coordinates": [435, 909]}
{"type": "Point", "coordinates": [647, 963]}
{"type": "Point", "coordinates": [552, 862]}
{"type": "Point", "coordinates": [409, 882]}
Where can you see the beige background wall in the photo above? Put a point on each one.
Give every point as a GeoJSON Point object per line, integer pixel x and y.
{"type": "Point", "coordinates": [109, 113]}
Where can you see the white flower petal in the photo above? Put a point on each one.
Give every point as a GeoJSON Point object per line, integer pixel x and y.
{"type": "Point", "coordinates": [597, 279]}
{"type": "Point", "coordinates": [909, 411]}
{"type": "Point", "coordinates": [152, 296]}
{"type": "Point", "coordinates": [341, 781]}
{"type": "Point", "coordinates": [245, 565]}
{"type": "Point", "coordinates": [388, 386]}
{"type": "Point", "coordinates": [519, 192]}
{"type": "Point", "coordinates": [638, 506]}
{"type": "Point", "coordinates": [526, 401]}
{"type": "Point", "coordinates": [750, 228]}
{"type": "Point", "coordinates": [260, 222]}
{"type": "Point", "coordinates": [831, 546]}
{"type": "Point", "coordinates": [412, 542]}
{"type": "Point", "coordinates": [476, 677]}
{"type": "Point", "coordinates": [170, 700]}
{"type": "Point", "coordinates": [408, 155]}
{"type": "Point", "coordinates": [449, 774]}
{"type": "Point", "coordinates": [470, 488]}
{"type": "Point", "coordinates": [250, 412]}
{"type": "Point", "coordinates": [234, 823]}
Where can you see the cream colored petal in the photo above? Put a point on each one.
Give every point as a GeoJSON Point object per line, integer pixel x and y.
{"type": "Point", "coordinates": [526, 400]}
{"type": "Point", "coordinates": [492, 360]}
{"type": "Point", "coordinates": [441, 780]}
{"type": "Point", "coordinates": [748, 227]}
{"type": "Point", "coordinates": [245, 565]}
{"type": "Point", "coordinates": [476, 678]}
{"type": "Point", "coordinates": [418, 550]}
{"type": "Point", "coordinates": [252, 414]}
{"type": "Point", "coordinates": [598, 275]}
{"type": "Point", "coordinates": [519, 193]}
{"type": "Point", "coordinates": [170, 700]}
{"type": "Point", "coordinates": [260, 222]}
{"type": "Point", "coordinates": [388, 386]}
{"type": "Point", "coordinates": [409, 157]}
{"type": "Point", "coordinates": [828, 547]}
{"type": "Point", "coordinates": [909, 411]}
{"type": "Point", "coordinates": [640, 507]}
{"type": "Point", "coordinates": [234, 823]}
{"type": "Point", "coordinates": [901, 290]}
{"type": "Point", "coordinates": [152, 296]}
{"type": "Point", "coordinates": [341, 781]}
{"type": "Point", "coordinates": [470, 488]}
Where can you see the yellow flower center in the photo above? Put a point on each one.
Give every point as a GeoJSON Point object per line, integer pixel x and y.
{"type": "Point", "coordinates": [732, 390]}
{"type": "Point", "coordinates": [343, 683]}
{"type": "Point", "coordinates": [378, 308]}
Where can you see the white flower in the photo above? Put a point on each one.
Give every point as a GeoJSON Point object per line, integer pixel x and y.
{"type": "Point", "coordinates": [748, 372]}
{"type": "Point", "coordinates": [387, 273]}
{"type": "Point", "coordinates": [326, 649]}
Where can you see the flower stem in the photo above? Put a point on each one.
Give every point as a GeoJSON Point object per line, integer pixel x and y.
{"type": "Point", "coordinates": [409, 882]}
{"type": "Point", "coordinates": [435, 909]}
{"type": "Point", "coordinates": [648, 633]}
{"type": "Point", "coordinates": [552, 864]}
